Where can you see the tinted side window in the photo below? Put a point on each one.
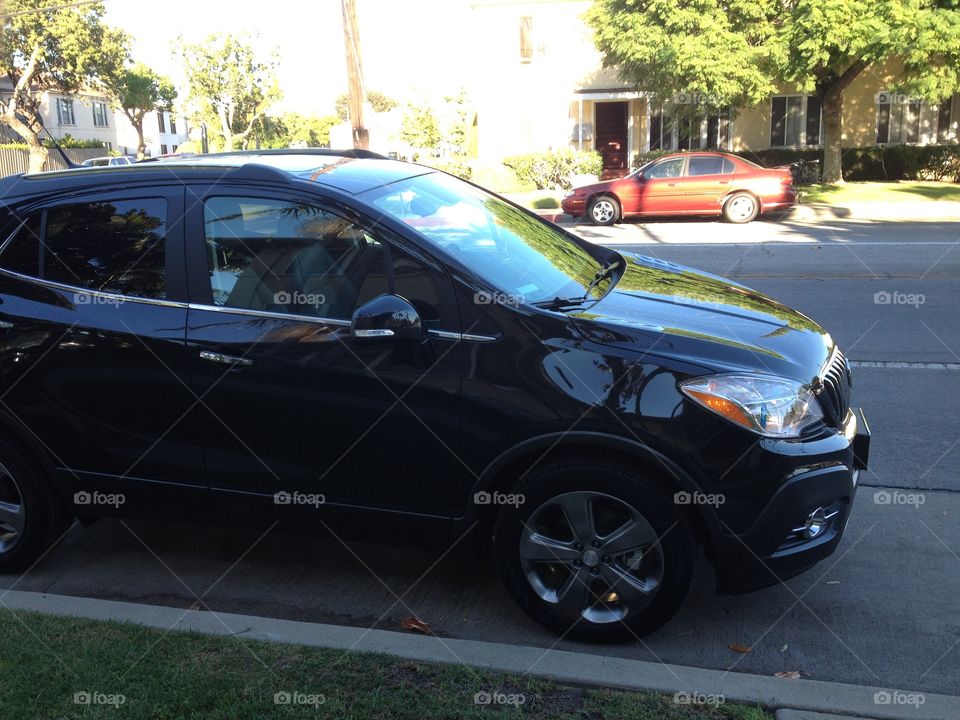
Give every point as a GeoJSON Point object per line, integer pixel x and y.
{"type": "Point", "coordinates": [21, 253]}
{"type": "Point", "coordinates": [709, 166]}
{"type": "Point", "coordinates": [110, 246]}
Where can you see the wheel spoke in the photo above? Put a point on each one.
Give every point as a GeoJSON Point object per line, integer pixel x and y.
{"type": "Point", "coordinates": [633, 592]}
{"type": "Point", "coordinates": [572, 595]}
{"type": "Point", "coordinates": [579, 514]}
{"type": "Point", "coordinates": [535, 547]}
{"type": "Point", "coordinates": [631, 536]}
{"type": "Point", "coordinates": [12, 516]}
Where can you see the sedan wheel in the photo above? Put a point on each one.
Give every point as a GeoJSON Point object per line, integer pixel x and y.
{"type": "Point", "coordinates": [603, 211]}
{"type": "Point", "coordinates": [12, 513]}
{"type": "Point", "coordinates": [741, 208]}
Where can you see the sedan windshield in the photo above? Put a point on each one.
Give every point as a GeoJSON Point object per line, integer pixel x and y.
{"type": "Point", "coordinates": [515, 253]}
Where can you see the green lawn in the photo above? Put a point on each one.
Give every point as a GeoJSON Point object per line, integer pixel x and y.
{"type": "Point", "coordinates": [885, 192]}
{"type": "Point", "coordinates": [538, 199]}
{"type": "Point", "coordinates": [133, 672]}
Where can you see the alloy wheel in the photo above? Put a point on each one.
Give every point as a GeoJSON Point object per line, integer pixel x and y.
{"type": "Point", "coordinates": [604, 211]}
{"type": "Point", "coordinates": [592, 557]}
{"type": "Point", "coordinates": [12, 513]}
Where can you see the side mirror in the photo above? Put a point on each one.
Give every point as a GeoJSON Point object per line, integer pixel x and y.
{"type": "Point", "coordinates": [387, 316]}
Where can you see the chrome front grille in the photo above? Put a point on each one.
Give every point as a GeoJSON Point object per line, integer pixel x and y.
{"type": "Point", "coordinates": [835, 396]}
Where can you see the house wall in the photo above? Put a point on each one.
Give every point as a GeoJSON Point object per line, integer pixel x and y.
{"type": "Point", "coordinates": [82, 128]}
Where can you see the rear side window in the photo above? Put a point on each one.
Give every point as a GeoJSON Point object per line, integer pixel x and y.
{"type": "Point", "coordinates": [709, 166]}
{"type": "Point", "coordinates": [21, 253]}
{"type": "Point", "coordinates": [110, 246]}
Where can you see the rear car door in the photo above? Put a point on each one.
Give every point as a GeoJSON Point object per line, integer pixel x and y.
{"type": "Point", "coordinates": [93, 318]}
{"type": "Point", "coordinates": [305, 422]}
{"type": "Point", "coordinates": [660, 188]}
{"type": "Point", "coordinates": [707, 182]}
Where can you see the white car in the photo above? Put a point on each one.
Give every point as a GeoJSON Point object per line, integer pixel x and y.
{"type": "Point", "coordinates": [109, 160]}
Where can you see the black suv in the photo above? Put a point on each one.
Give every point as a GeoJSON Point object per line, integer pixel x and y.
{"type": "Point", "coordinates": [345, 343]}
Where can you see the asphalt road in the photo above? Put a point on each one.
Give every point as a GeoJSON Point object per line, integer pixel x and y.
{"type": "Point", "coordinates": [881, 611]}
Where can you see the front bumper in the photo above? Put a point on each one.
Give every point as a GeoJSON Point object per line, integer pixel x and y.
{"type": "Point", "coordinates": [775, 546]}
{"type": "Point", "coordinates": [574, 206]}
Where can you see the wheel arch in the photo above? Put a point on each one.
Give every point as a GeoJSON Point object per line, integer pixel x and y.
{"type": "Point", "coordinates": [19, 435]}
{"type": "Point", "coordinates": [742, 191]}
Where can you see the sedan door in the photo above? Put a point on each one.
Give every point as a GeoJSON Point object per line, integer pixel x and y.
{"type": "Point", "coordinates": [305, 422]}
{"type": "Point", "coordinates": [708, 180]}
{"type": "Point", "coordinates": [659, 190]}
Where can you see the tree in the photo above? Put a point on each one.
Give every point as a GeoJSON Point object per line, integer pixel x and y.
{"type": "Point", "coordinates": [230, 88]}
{"type": "Point", "coordinates": [710, 54]}
{"type": "Point", "coordinates": [378, 101]}
{"type": "Point", "coordinates": [45, 46]}
{"type": "Point", "coordinates": [419, 128]}
{"type": "Point", "coordinates": [296, 130]}
{"type": "Point", "coordinates": [137, 91]}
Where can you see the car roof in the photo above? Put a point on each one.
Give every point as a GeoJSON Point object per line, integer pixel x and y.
{"type": "Point", "coordinates": [350, 171]}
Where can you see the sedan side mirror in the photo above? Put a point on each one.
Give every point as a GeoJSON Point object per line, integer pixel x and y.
{"type": "Point", "coordinates": [387, 316]}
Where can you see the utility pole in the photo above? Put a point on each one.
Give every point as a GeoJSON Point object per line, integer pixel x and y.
{"type": "Point", "coordinates": [355, 93]}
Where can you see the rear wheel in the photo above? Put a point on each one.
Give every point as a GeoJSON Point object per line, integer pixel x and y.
{"type": "Point", "coordinates": [596, 551]}
{"type": "Point", "coordinates": [31, 518]}
{"type": "Point", "coordinates": [603, 210]}
{"type": "Point", "coordinates": [741, 208]}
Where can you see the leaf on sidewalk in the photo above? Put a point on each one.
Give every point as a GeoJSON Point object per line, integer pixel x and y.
{"type": "Point", "coordinates": [413, 623]}
{"type": "Point", "coordinates": [738, 648]}
{"type": "Point", "coordinates": [788, 674]}
{"type": "Point", "coordinates": [784, 648]}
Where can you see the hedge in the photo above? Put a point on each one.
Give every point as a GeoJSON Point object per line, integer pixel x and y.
{"type": "Point", "coordinates": [553, 170]}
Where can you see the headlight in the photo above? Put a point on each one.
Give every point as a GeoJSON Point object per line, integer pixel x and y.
{"type": "Point", "coordinates": [767, 405]}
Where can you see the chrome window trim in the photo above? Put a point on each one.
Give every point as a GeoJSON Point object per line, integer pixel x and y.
{"type": "Point", "coordinates": [270, 315]}
{"type": "Point", "coordinates": [468, 337]}
{"type": "Point", "coordinates": [76, 289]}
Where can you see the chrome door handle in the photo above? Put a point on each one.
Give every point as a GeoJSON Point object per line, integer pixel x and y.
{"type": "Point", "coordinates": [224, 359]}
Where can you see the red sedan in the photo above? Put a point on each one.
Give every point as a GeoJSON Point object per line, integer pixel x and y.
{"type": "Point", "coordinates": [690, 183]}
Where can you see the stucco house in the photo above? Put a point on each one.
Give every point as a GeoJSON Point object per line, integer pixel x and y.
{"type": "Point", "coordinates": [543, 86]}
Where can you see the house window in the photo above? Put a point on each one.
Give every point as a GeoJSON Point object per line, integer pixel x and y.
{"type": "Point", "coordinates": [100, 114]}
{"type": "Point", "coordinates": [669, 132]}
{"type": "Point", "coordinates": [160, 122]}
{"type": "Point", "coordinates": [65, 112]}
{"type": "Point", "coordinates": [163, 149]}
{"type": "Point", "coordinates": [173, 125]}
{"type": "Point", "coordinates": [526, 39]}
{"type": "Point", "coordinates": [795, 120]}
{"type": "Point", "coordinates": [173, 148]}
{"type": "Point", "coordinates": [905, 119]}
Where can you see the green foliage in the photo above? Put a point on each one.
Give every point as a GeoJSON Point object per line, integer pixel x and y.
{"type": "Point", "coordinates": [419, 128]}
{"type": "Point", "coordinates": [230, 87]}
{"type": "Point", "coordinates": [553, 169]}
{"type": "Point", "coordinates": [455, 165]}
{"type": "Point", "coordinates": [378, 101]}
{"type": "Point", "coordinates": [138, 90]}
{"type": "Point", "coordinates": [295, 130]}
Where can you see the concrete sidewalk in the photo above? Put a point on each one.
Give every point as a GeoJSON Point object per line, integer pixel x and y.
{"type": "Point", "coordinates": [851, 701]}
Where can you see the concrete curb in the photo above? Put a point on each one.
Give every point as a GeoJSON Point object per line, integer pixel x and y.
{"type": "Point", "coordinates": [563, 666]}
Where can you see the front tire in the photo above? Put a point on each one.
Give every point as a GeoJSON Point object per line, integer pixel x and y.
{"type": "Point", "coordinates": [603, 210]}
{"type": "Point", "coordinates": [31, 518]}
{"type": "Point", "coordinates": [741, 208]}
{"type": "Point", "coordinates": [597, 551]}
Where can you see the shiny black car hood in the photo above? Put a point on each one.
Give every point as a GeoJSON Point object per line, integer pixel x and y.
{"type": "Point", "coordinates": [676, 311]}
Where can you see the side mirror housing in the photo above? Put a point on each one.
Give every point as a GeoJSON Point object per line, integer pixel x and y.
{"type": "Point", "coordinates": [387, 317]}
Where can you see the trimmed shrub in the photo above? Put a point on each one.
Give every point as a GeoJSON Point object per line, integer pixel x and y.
{"type": "Point", "coordinates": [552, 170]}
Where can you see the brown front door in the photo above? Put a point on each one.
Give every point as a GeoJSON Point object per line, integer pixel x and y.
{"type": "Point", "coordinates": [611, 138]}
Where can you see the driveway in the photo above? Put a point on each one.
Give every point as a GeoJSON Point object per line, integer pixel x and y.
{"type": "Point", "coordinates": [881, 611]}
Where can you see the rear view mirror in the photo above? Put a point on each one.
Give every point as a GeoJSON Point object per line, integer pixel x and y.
{"type": "Point", "coordinates": [389, 317]}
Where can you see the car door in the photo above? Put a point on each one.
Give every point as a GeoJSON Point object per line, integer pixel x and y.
{"type": "Point", "coordinates": [707, 180]}
{"type": "Point", "coordinates": [305, 422]}
{"type": "Point", "coordinates": [659, 189]}
{"type": "Point", "coordinates": [92, 302]}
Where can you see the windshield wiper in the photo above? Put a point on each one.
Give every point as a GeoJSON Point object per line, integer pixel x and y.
{"type": "Point", "coordinates": [559, 303]}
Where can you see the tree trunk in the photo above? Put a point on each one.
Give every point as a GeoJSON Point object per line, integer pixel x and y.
{"type": "Point", "coordinates": [141, 141]}
{"type": "Point", "coordinates": [38, 157]}
{"type": "Point", "coordinates": [832, 105]}
{"type": "Point", "coordinates": [38, 153]}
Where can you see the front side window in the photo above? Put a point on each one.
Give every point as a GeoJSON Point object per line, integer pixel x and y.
{"type": "Point", "coordinates": [290, 257]}
{"type": "Point", "coordinates": [65, 111]}
{"type": "Point", "coordinates": [21, 252]}
{"type": "Point", "coordinates": [111, 246]}
{"type": "Point", "coordinates": [514, 252]}
{"type": "Point", "coordinates": [666, 169]}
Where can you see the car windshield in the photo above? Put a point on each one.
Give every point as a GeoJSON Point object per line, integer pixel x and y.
{"type": "Point", "coordinates": [514, 252]}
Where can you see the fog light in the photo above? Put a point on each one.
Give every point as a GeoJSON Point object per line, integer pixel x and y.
{"type": "Point", "coordinates": [816, 523]}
